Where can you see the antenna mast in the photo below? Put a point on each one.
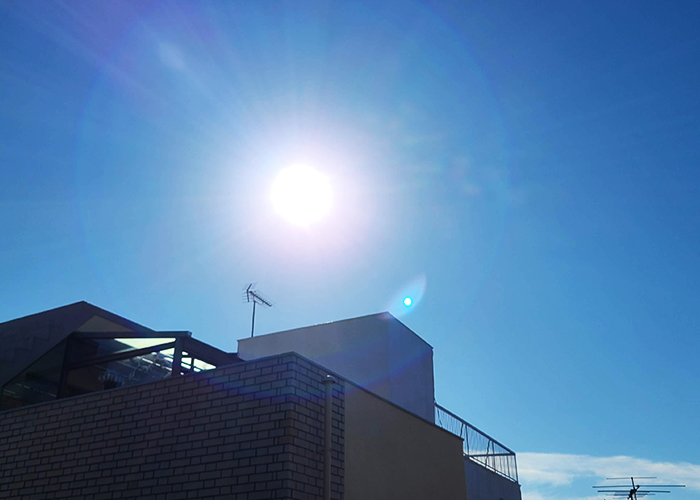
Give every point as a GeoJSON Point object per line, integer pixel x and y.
{"type": "Point", "coordinates": [255, 297]}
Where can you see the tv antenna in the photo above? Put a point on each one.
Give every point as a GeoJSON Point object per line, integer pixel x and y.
{"type": "Point", "coordinates": [637, 490]}
{"type": "Point", "coordinates": [253, 296]}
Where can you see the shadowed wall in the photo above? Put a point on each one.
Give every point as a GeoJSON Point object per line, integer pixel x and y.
{"type": "Point", "coordinates": [391, 454]}
{"type": "Point", "coordinates": [248, 430]}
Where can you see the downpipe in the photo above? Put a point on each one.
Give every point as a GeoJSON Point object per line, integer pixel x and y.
{"type": "Point", "coordinates": [327, 440]}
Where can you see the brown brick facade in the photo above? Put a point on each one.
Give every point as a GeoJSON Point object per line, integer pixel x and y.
{"type": "Point", "coordinates": [252, 430]}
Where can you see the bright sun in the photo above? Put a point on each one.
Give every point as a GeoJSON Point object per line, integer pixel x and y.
{"type": "Point", "coordinates": [301, 194]}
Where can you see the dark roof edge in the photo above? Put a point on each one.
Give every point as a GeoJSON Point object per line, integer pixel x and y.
{"type": "Point", "coordinates": [68, 318]}
{"type": "Point", "coordinates": [119, 319]}
{"type": "Point", "coordinates": [83, 305]}
{"type": "Point", "coordinates": [54, 310]}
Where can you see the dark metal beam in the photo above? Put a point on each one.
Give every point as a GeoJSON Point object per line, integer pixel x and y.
{"type": "Point", "coordinates": [177, 358]}
{"type": "Point", "coordinates": [125, 354]}
{"type": "Point", "coordinates": [209, 354]}
{"type": "Point", "coordinates": [64, 370]}
{"type": "Point", "coordinates": [132, 335]}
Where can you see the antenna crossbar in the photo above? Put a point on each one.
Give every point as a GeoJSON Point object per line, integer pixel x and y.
{"type": "Point", "coordinates": [637, 490]}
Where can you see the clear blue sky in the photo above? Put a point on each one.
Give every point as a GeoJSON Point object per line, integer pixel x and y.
{"type": "Point", "coordinates": [531, 167]}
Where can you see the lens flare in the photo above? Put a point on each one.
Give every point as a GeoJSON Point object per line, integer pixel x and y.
{"type": "Point", "coordinates": [408, 297]}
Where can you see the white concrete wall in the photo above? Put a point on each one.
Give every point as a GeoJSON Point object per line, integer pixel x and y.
{"type": "Point", "coordinates": [411, 366]}
{"type": "Point", "coordinates": [377, 352]}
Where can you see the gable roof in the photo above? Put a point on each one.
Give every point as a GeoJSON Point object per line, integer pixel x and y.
{"type": "Point", "coordinates": [26, 339]}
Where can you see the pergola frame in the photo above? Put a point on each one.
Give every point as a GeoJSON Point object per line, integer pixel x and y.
{"type": "Point", "coordinates": [183, 342]}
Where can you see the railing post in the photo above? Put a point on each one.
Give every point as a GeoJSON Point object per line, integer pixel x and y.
{"type": "Point", "coordinates": [466, 437]}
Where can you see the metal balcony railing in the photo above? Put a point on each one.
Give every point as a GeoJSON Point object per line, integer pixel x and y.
{"type": "Point", "coordinates": [479, 446]}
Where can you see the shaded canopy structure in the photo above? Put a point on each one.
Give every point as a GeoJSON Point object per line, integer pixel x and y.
{"type": "Point", "coordinates": [80, 348]}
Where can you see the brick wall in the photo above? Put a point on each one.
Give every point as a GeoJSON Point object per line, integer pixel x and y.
{"type": "Point", "coordinates": [252, 430]}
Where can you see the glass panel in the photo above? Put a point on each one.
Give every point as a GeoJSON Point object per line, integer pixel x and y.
{"type": "Point", "coordinates": [194, 364]}
{"type": "Point", "coordinates": [38, 383]}
{"type": "Point", "coordinates": [82, 348]}
{"type": "Point", "coordinates": [202, 365]}
{"type": "Point", "coordinates": [121, 373]}
{"type": "Point", "coordinates": [143, 342]}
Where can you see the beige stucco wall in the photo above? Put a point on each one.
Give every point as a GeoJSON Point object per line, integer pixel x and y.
{"type": "Point", "coordinates": [391, 454]}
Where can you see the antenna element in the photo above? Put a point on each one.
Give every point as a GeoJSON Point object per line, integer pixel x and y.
{"type": "Point", "coordinates": [253, 296]}
{"type": "Point", "coordinates": [637, 491]}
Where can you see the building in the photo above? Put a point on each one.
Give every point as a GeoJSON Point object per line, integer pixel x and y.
{"type": "Point", "coordinates": [95, 406]}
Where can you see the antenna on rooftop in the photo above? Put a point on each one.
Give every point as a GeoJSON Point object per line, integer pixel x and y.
{"type": "Point", "coordinates": [254, 296]}
{"type": "Point", "coordinates": [637, 490]}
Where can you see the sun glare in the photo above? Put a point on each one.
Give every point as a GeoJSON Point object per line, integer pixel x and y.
{"type": "Point", "coordinates": [301, 194]}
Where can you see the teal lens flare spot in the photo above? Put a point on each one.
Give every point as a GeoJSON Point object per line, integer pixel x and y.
{"type": "Point", "coordinates": [407, 301]}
